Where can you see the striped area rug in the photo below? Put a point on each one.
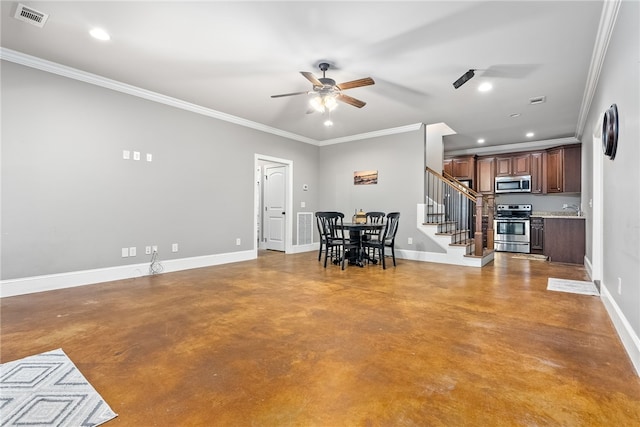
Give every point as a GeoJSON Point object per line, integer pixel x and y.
{"type": "Point", "coordinates": [48, 390]}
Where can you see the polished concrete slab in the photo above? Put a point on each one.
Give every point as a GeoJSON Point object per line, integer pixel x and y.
{"type": "Point", "coordinates": [282, 341]}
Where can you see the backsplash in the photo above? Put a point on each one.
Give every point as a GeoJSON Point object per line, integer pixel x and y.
{"type": "Point", "coordinates": [539, 203]}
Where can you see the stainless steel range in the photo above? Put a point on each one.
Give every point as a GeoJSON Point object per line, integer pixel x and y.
{"type": "Point", "coordinates": [511, 228]}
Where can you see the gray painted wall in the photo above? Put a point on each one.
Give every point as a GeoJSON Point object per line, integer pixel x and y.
{"type": "Point", "coordinates": [70, 202]}
{"type": "Point", "coordinates": [399, 160]}
{"type": "Point", "coordinates": [619, 83]}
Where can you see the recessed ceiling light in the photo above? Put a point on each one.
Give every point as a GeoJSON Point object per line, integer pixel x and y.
{"type": "Point", "coordinates": [328, 123]}
{"type": "Point", "coordinates": [514, 115]}
{"type": "Point", "coordinates": [100, 34]}
{"type": "Point", "coordinates": [481, 141]}
{"type": "Point", "coordinates": [530, 134]}
{"type": "Point", "coordinates": [485, 87]}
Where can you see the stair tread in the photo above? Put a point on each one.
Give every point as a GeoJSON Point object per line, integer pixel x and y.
{"type": "Point", "coordinates": [485, 252]}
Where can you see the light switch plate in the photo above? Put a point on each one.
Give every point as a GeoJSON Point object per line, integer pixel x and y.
{"type": "Point", "coordinates": [136, 155]}
{"type": "Point", "coordinates": [126, 154]}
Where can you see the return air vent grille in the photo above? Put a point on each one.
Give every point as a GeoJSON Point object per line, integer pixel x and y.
{"type": "Point", "coordinates": [537, 100]}
{"type": "Point", "coordinates": [305, 228]}
{"type": "Point", "coordinates": [32, 16]}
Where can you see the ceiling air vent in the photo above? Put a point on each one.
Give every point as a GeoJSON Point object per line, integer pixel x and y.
{"type": "Point", "coordinates": [32, 16]}
{"type": "Point", "coordinates": [537, 100]}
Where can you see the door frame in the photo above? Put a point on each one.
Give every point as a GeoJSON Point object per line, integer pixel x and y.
{"type": "Point", "coordinates": [288, 228]}
{"type": "Point", "coordinates": [596, 203]}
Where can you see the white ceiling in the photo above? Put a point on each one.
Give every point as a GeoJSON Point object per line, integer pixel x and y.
{"type": "Point", "coordinates": [232, 56]}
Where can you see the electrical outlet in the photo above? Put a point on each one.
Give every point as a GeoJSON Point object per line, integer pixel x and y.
{"type": "Point", "coordinates": [619, 285]}
{"type": "Point", "coordinates": [303, 204]}
{"type": "Point", "coordinates": [147, 250]}
{"type": "Point", "coordinates": [136, 155]}
{"type": "Point", "coordinates": [125, 252]}
{"type": "Point", "coordinates": [174, 247]}
{"type": "Point", "coordinates": [126, 155]}
{"type": "Point", "coordinates": [410, 240]}
{"type": "Point", "coordinates": [238, 241]}
{"type": "Point", "coordinates": [149, 157]}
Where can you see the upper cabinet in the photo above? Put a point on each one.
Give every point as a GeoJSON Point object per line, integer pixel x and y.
{"type": "Point", "coordinates": [513, 165]}
{"type": "Point", "coordinates": [486, 169]}
{"type": "Point", "coordinates": [537, 173]}
{"type": "Point", "coordinates": [556, 170]}
{"type": "Point", "coordinates": [461, 167]}
{"type": "Point", "coordinates": [563, 165]}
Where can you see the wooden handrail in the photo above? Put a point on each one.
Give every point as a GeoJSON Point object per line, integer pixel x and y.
{"type": "Point", "coordinates": [471, 195]}
{"type": "Point", "coordinates": [466, 188]}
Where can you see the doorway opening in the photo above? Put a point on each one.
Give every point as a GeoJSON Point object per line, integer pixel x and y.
{"type": "Point", "coordinates": [273, 204]}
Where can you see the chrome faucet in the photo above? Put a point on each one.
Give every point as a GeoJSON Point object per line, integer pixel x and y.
{"type": "Point", "coordinates": [573, 207]}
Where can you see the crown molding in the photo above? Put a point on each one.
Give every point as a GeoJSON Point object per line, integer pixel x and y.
{"type": "Point", "coordinates": [608, 18]}
{"type": "Point", "coordinates": [374, 134]}
{"type": "Point", "coordinates": [94, 79]}
{"type": "Point", "coordinates": [514, 148]}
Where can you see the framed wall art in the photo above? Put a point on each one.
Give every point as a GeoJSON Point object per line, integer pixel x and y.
{"type": "Point", "coordinates": [365, 177]}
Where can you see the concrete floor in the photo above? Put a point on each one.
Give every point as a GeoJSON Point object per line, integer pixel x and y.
{"type": "Point", "coordinates": [281, 341]}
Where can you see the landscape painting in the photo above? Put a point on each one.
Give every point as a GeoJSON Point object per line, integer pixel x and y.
{"type": "Point", "coordinates": [365, 177]}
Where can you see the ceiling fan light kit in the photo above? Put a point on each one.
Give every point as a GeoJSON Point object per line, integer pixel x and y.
{"type": "Point", "coordinates": [323, 103]}
{"type": "Point", "coordinates": [327, 92]}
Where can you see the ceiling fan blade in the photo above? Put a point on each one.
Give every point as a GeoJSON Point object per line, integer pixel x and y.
{"type": "Point", "coordinates": [356, 83]}
{"type": "Point", "coordinates": [351, 101]}
{"type": "Point", "coordinates": [289, 94]}
{"type": "Point", "coordinates": [311, 78]}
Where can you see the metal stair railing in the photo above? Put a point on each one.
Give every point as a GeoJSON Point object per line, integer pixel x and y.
{"type": "Point", "coordinates": [457, 209]}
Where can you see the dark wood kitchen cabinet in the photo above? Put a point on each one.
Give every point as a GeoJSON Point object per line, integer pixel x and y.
{"type": "Point", "coordinates": [537, 173]}
{"type": "Point", "coordinates": [564, 169]}
{"type": "Point", "coordinates": [463, 168]}
{"type": "Point", "coordinates": [485, 167]}
{"type": "Point", "coordinates": [537, 235]}
{"type": "Point", "coordinates": [564, 240]}
{"type": "Point", "coordinates": [513, 165]}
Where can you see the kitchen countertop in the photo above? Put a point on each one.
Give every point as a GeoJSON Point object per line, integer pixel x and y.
{"type": "Point", "coordinates": [560, 215]}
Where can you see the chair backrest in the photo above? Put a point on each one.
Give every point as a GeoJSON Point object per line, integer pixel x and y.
{"type": "Point", "coordinates": [391, 228]}
{"type": "Point", "coordinates": [330, 225]}
{"type": "Point", "coordinates": [375, 217]}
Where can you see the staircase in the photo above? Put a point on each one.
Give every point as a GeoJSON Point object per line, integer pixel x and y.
{"type": "Point", "coordinates": [452, 218]}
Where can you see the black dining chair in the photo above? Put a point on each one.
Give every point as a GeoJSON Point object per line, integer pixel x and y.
{"type": "Point", "coordinates": [335, 240]}
{"type": "Point", "coordinates": [386, 239]}
{"type": "Point", "coordinates": [373, 217]}
{"type": "Point", "coordinates": [320, 232]}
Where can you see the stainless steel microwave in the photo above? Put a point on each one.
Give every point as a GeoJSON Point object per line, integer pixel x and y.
{"type": "Point", "coordinates": [513, 184]}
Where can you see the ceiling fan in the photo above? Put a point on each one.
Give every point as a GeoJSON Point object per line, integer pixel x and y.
{"type": "Point", "coordinates": [327, 91]}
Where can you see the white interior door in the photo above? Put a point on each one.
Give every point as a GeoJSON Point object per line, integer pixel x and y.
{"type": "Point", "coordinates": [275, 181]}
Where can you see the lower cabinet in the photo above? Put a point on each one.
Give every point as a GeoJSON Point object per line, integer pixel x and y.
{"type": "Point", "coordinates": [563, 240]}
{"type": "Point", "coordinates": [537, 235]}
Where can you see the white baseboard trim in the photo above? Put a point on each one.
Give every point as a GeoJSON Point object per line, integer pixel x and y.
{"type": "Point", "coordinates": [50, 282]}
{"type": "Point", "coordinates": [588, 267]}
{"type": "Point", "coordinates": [629, 338]}
{"type": "Point", "coordinates": [297, 249]}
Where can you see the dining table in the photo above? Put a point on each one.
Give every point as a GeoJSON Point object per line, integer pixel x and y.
{"type": "Point", "coordinates": [356, 235]}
